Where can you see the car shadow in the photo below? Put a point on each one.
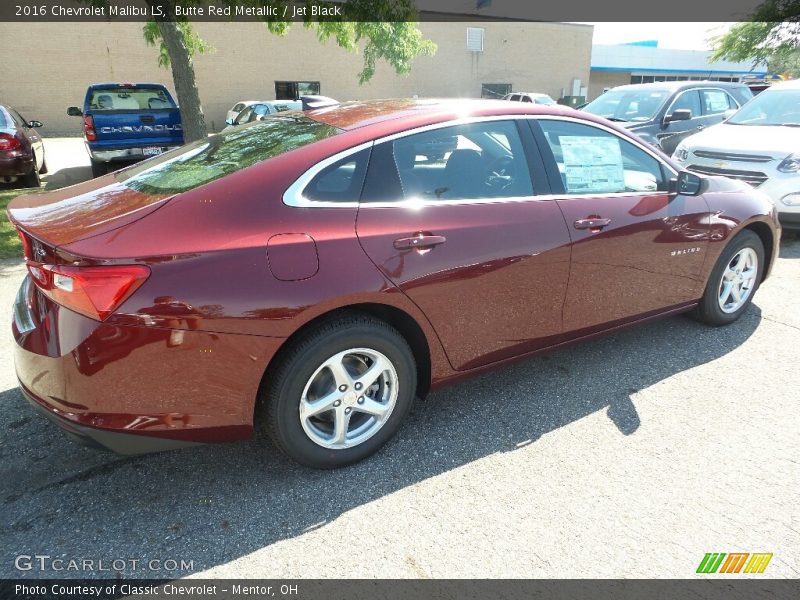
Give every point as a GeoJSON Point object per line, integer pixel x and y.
{"type": "Point", "coordinates": [67, 176]}
{"type": "Point", "coordinates": [214, 504]}
{"type": "Point", "coordinates": [790, 244]}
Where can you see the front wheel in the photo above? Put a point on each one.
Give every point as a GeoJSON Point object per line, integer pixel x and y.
{"type": "Point", "coordinates": [340, 392]}
{"type": "Point", "coordinates": [733, 281]}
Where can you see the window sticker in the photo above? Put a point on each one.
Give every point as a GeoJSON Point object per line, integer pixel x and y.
{"type": "Point", "coordinates": [592, 164]}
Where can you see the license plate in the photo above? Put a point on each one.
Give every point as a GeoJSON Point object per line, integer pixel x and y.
{"type": "Point", "coordinates": [152, 150]}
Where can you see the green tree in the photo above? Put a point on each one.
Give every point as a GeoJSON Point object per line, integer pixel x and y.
{"type": "Point", "coordinates": [383, 29]}
{"type": "Point", "coordinates": [771, 37]}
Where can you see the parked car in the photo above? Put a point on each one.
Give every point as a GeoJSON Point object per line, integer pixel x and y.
{"type": "Point", "coordinates": [308, 274]}
{"type": "Point", "coordinates": [760, 145]}
{"type": "Point", "coordinates": [665, 113]}
{"type": "Point", "coordinates": [258, 110]}
{"type": "Point", "coordinates": [530, 97]}
{"type": "Point", "coordinates": [234, 111]}
{"type": "Point", "coordinates": [127, 122]}
{"type": "Point", "coordinates": [21, 149]}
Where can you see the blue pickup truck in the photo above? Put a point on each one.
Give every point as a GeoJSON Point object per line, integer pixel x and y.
{"type": "Point", "coordinates": [126, 122]}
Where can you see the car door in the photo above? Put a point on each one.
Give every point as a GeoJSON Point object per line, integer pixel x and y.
{"type": "Point", "coordinates": [33, 137]}
{"type": "Point", "coordinates": [673, 132]}
{"type": "Point", "coordinates": [636, 248]}
{"type": "Point", "coordinates": [466, 237]}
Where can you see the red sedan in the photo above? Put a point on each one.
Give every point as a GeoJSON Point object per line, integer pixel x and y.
{"type": "Point", "coordinates": [313, 273]}
{"type": "Point", "coordinates": [21, 149]}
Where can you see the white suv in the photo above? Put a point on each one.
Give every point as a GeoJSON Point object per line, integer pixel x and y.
{"type": "Point", "coordinates": [759, 144]}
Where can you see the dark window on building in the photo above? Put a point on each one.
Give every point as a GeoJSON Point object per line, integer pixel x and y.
{"type": "Point", "coordinates": [495, 90]}
{"type": "Point", "coordinates": [292, 90]}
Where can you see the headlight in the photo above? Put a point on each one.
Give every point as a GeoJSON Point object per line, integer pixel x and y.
{"type": "Point", "coordinates": [790, 164]}
{"type": "Point", "coordinates": [681, 153]}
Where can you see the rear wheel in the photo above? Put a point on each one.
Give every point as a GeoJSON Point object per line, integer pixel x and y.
{"type": "Point", "coordinates": [32, 179]}
{"type": "Point", "coordinates": [733, 281]}
{"type": "Point", "coordinates": [99, 169]}
{"type": "Point", "coordinates": [340, 392]}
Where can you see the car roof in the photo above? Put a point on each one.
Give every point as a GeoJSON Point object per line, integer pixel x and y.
{"type": "Point", "coordinates": [400, 114]}
{"type": "Point", "coordinates": [673, 86]}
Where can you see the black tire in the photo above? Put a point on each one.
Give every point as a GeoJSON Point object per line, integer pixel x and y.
{"type": "Point", "coordinates": [99, 169]}
{"type": "Point", "coordinates": [709, 310]}
{"type": "Point", "coordinates": [32, 179]}
{"type": "Point", "coordinates": [283, 389]}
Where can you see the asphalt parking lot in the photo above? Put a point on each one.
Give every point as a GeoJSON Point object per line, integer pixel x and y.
{"type": "Point", "coordinates": [630, 456]}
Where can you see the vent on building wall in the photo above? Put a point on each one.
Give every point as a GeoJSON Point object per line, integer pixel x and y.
{"type": "Point", "coordinates": [475, 39]}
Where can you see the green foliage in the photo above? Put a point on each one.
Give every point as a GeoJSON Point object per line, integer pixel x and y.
{"type": "Point", "coordinates": [773, 31]}
{"type": "Point", "coordinates": [191, 40]}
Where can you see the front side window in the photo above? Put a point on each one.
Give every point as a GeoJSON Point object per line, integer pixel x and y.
{"type": "Point", "coordinates": [204, 161]}
{"type": "Point", "coordinates": [628, 105]}
{"type": "Point", "coordinates": [688, 100]}
{"type": "Point", "coordinates": [593, 161]}
{"type": "Point", "coordinates": [461, 162]}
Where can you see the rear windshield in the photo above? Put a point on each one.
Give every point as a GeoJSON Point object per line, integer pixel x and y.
{"type": "Point", "coordinates": [126, 98]}
{"type": "Point", "coordinates": [204, 161]}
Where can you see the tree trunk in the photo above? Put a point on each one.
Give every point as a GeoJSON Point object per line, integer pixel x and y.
{"type": "Point", "coordinates": [192, 118]}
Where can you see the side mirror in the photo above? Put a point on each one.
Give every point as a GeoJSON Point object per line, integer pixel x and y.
{"type": "Point", "coordinates": [689, 184]}
{"type": "Point", "coordinates": [35, 124]}
{"type": "Point", "coordinates": [74, 111]}
{"type": "Point", "coordinates": [682, 114]}
{"type": "Point", "coordinates": [229, 121]}
{"type": "Point", "coordinates": [729, 113]}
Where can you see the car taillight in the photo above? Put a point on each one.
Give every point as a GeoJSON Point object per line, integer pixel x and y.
{"type": "Point", "coordinates": [9, 142]}
{"type": "Point", "coordinates": [95, 292]}
{"type": "Point", "coordinates": [88, 128]}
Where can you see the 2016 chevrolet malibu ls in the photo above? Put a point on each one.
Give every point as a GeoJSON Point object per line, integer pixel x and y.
{"type": "Point", "coordinates": [315, 272]}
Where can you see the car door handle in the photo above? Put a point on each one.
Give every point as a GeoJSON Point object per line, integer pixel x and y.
{"type": "Point", "coordinates": [701, 127]}
{"type": "Point", "coordinates": [420, 240]}
{"type": "Point", "coordinates": [594, 223]}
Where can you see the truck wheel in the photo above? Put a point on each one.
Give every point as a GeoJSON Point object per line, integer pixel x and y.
{"type": "Point", "coordinates": [99, 169]}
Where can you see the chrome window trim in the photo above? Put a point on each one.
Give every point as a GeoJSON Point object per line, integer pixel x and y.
{"type": "Point", "coordinates": [293, 196]}
{"type": "Point", "coordinates": [698, 90]}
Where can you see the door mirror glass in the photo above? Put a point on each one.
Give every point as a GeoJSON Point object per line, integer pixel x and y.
{"type": "Point", "coordinates": [689, 184]}
{"type": "Point", "coordinates": [74, 111]}
{"type": "Point", "coordinates": [229, 121]}
{"type": "Point", "coordinates": [681, 114]}
{"type": "Point", "coordinates": [35, 124]}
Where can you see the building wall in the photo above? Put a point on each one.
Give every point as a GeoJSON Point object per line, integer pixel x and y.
{"type": "Point", "coordinates": [62, 59]}
{"type": "Point", "coordinates": [599, 80]}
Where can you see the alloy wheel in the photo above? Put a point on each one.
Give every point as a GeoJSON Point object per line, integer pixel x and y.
{"type": "Point", "coordinates": [738, 280]}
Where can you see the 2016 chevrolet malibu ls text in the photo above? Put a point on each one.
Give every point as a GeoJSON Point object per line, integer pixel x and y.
{"type": "Point", "coordinates": [314, 272]}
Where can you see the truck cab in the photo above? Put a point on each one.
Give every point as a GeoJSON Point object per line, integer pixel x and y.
{"type": "Point", "coordinates": [127, 122]}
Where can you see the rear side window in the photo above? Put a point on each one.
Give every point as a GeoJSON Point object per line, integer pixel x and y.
{"type": "Point", "coordinates": [4, 121]}
{"type": "Point", "coordinates": [341, 181]}
{"type": "Point", "coordinates": [126, 98]}
{"type": "Point", "coordinates": [204, 161]}
{"type": "Point", "coordinates": [461, 162]}
{"type": "Point", "coordinates": [714, 101]}
{"type": "Point", "coordinates": [593, 161]}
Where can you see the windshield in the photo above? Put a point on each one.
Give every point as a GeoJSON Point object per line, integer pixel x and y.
{"type": "Point", "coordinates": [628, 105]}
{"type": "Point", "coordinates": [204, 161]}
{"type": "Point", "coordinates": [129, 98]}
{"type": "Point", "coordinates": [773, 107]}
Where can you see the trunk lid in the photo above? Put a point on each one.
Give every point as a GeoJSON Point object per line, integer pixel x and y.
{"type": "Point", "coordinates": [71, 214]}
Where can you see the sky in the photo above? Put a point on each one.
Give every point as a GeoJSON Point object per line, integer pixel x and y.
{"type": "Point", "coordinates": [680, 36]}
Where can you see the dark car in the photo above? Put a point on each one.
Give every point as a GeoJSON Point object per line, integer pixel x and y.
{"type": "Point", "coordinates": [21, 149]}
{"type": "Point", "coordinates": [312, 273]}
{"type": "Point", "coordinates": [665, 113]}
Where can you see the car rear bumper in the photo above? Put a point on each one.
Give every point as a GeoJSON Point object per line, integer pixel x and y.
{"type": "Point", "coordinates": [121, 443]}
{"type": "Point", "coordinates": [15, 166]}
{"type": "Point", "coordinates": [136, 389]}
{"type": "Point", "coordinates": [126, 154]}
